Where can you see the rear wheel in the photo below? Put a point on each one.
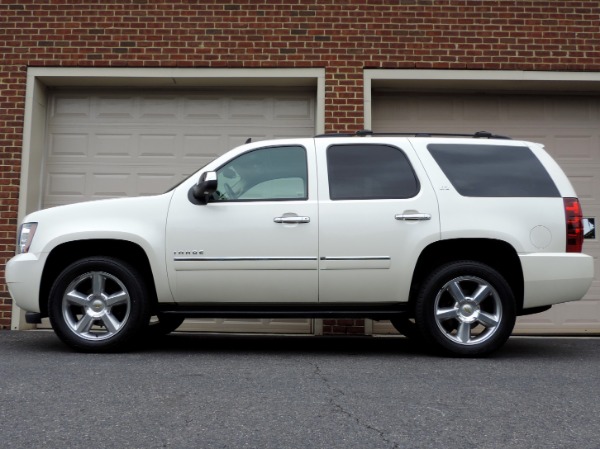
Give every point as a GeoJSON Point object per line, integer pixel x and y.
{"type": "Point", "coordinates": [98, 304]}
{"type": "Point", "coordinates": [466, 309]}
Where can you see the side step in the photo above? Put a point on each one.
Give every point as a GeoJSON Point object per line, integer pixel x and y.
{"type": "Point", "coordinates": [373, 311]}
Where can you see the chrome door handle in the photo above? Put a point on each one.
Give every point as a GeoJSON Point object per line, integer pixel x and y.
{"type": "Point", "coordinates": [413, 217]}
{"type": "Point", "coordinates": [292, 219]}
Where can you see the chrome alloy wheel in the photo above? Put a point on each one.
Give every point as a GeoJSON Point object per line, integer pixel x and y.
{"type": "Point", "coordinates": [96, 306]}
{"type": "Point", "coordinates": [468, 310]}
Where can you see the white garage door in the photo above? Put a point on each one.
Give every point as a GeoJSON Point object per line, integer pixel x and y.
{"type": "Point", "coordinates": [105, 145]}
{"type": "Point", "coordinates": [567, 125]}
{"type": "Point", "coordinates": [108, 144]}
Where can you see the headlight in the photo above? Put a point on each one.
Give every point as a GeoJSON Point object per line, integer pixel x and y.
{"type": "Point", "coordinates": [26, 232]}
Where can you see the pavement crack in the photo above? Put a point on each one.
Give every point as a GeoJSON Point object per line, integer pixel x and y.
{"type": "Point", "coordinates": [334, 401]}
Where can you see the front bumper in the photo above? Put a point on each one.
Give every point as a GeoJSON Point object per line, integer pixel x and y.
{"type": "Point", "coordinates": [33, 317]}
{"type": "Point", "coordinates": [23, 278]}
{"type": "Point", "coordinates": [552, 278]}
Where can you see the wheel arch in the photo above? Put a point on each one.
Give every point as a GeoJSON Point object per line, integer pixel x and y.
{"type": "Point", "coordinates": [69, 252]}
{"type": "Point", "coordinates": [497, 254]}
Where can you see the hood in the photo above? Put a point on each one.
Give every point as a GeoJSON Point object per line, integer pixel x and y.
{"type": "Point", "coordinates": [120, 218]}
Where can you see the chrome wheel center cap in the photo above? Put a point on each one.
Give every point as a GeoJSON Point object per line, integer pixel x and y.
{"type": "Point", "coordinates": [97, 305]}
{"type": "Point", "coordinates": [468, 312]}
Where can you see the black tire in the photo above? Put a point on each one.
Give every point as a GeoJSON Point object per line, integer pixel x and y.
{"type": "Point", "coordinates": [99, 304]}
{"type": "Point", "coordinates": [465, 308]}
{"type": "Point", "coordinates": [163, 325]}
{"type": "Point", "coordinates": [407, 327]}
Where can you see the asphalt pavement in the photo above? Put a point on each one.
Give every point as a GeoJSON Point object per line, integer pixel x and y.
{"type": "Point", "coordinates": [298, 392]}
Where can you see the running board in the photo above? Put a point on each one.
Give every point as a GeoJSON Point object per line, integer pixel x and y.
{"type": "Point", "coordinates": [374, 311]}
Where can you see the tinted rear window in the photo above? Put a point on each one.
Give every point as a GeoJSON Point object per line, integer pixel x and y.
{"type": "Point", "coordinates": [369, 171]}
{"type": "Point", "coordinates": [493, 170]}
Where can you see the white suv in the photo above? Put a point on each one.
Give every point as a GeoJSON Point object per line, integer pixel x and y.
{"type": "Point", "coordinates": [450, 238]}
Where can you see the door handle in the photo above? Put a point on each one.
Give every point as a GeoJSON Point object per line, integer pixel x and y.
{"type": "Point", "coordinates": [413, 217]}
{"type": "Point", "coordinates": [292, 219]}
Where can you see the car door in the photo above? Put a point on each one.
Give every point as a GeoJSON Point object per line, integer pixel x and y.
{"type": "Point", "coordinates": [377, 212]}
{"type": "Point", "coordinates": [256, 240]}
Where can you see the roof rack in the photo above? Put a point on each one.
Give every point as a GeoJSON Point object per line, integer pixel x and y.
{"type": "Point", "coordinates": [369, 133]}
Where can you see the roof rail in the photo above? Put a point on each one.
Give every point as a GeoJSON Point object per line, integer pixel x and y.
{"type": "Point", "coordinates": [369, 133]}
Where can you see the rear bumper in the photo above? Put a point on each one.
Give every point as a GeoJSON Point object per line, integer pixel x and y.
{"type": "Point", "coordinates": [552, 278]}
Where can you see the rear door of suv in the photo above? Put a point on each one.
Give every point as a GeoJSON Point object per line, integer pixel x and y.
{"type": "Point", "coordinates": [377, 212]}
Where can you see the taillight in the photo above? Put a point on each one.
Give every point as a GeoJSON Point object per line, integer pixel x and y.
{"type": "Point", "coordinates": [574, 218]}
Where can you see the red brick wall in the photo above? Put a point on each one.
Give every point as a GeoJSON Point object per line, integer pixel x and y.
{"type": "Point", "coordinates": [343, 36]}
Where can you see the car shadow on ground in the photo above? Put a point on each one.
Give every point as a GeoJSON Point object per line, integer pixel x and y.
{"type": "Point", "coordinates": [208, 343]}
{"type": "Point", "coordinates": [273, 344]}
{"type": "Point", "coordinates": [515, 348]}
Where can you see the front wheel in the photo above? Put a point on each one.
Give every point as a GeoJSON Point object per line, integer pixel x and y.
{"type": "Point", "coordinates": [466, 308]}
{"type": "Point", "coordinates": [98, 304]}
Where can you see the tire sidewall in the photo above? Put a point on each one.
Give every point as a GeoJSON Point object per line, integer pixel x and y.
{"type": "Point", "coordinates": [425, 309]}
{"type": "Point", "coordinates": [138, 314]}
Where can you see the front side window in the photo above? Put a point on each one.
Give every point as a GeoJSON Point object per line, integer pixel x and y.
{"type": "Point", "coordinates": [274, 173]}
{"type": "Point", "coordinates": [368, 171]}
{"type": "Point", "coordinates": [477, 170]}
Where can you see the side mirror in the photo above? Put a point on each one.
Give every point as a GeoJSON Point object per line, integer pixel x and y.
{"type": "Point", "coordinates": [207, 185]}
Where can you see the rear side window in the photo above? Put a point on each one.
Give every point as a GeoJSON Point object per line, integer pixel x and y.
{"type": "Point", "coordinates": [494, 170]}
{"type": "Point", "coordinates": [366, 172]}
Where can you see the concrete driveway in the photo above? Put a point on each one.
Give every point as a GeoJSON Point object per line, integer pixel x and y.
{"type": "Point", "coordinates": [233, 391]}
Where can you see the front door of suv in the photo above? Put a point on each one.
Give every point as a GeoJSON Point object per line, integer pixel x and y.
{"type": "Point", "coordinates": [256, 240]}
{"type": "Point", "coordinates": [377, 211]}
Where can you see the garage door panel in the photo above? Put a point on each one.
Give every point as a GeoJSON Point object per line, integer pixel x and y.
{"type": "Point", "coordinates": [248, 109]}
{"type": "Point", "coordinates": [209, 143]}
{"type": "Point", "coordinates": [296, 108]}
{"type": "Point", "coordinates": [204, 107]}
{"type": "Point", "coordinates": [111, 146]}
{"type": "Point", "coordinates": [106, 107]}
{"type": "Point", "coordinates": [114, 144]}
{"type": "Point", "coordinates": [481, 109]}
{"type": "Point", "coordinates": [65, 108]}
{"type": "Point", "coordinates": [68, 145]}
{"type": "Point", "coordinates": [582, 147]}
{"type": "Point", "coordinates": [573, 111]}
{"type": "Point", "coordinates": [159, 107]}
{"type": "Point", "coordinates": [160, 146]}
{"type": "Point", "coordinates": [585, 180]}
{"type": "Point", "coordinates": [522, 108]}
{"type": "Point", "coordinates": [63, 187]}
{"type": "Point", "coordinates": [567, 125]}
{"type": "Point", "coordinates": [436, 109]}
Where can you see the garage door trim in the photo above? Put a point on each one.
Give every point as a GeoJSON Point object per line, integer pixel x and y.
{"type": "Point", "coordinates": [40, 79]}
{"type": "Point", "coordinates": [378, 82]}
{"type": "Point", "coordinates": [455, 81]}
